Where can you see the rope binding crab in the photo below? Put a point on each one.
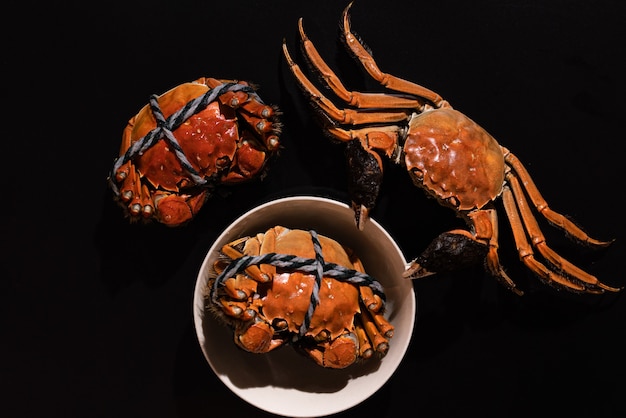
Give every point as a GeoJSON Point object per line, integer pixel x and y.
{"type": "Point", "coordinates": [317, 267]}
{"type": "Point", "coordinates": [165, 127]}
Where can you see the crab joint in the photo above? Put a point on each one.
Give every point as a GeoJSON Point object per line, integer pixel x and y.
{"type": "Point", "coordinates": [267, 112]}
{"type": "Point", "coordinates": [240, 287]}
{"type": "Point", "coordinates": [127, 195]}
{"type": "Point", "coordinates": [383, 325]}
{"type": "Point", "coordinates": [135, 209]}
{"type": "Point", "coordinates": [230, 308]}
{"type": "Point", "coordinates": [372, 301]}
{"type": "Point", "coordinates": [237, 310]}
{"type": "Point", "coordinates": [272, 142]}
{"type": "Point", "coordinates": [148, 211]}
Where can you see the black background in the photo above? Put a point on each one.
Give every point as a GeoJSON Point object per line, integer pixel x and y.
{"type": "Point", "coordinates": [95, 313]}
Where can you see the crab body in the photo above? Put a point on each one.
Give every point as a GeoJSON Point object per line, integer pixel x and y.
{"type": "Point", "coordinates": [454, 159]}
{"type": "Point", "coordinates": [450, 157]}
{"type": "Point", "coordinates": [267, 306]}
{"type": "Point", "coordinates": [186, 142]}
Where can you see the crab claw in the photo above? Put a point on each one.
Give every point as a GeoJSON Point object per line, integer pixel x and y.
{"type": "Point", "coordinates": [361, 215]}
{"type": "Point", "coordinates": [256, 337]}
{"type": "Point", "coordinates": [448, 252]}
{"type": "Point", "coordinates": [338, 354]}
{"type": "Point", "coordinates": [175, 210]}
{"type": "Point", "coordinates": [415, 270]}
{"type": "Point", "coordinates": [365, 175]}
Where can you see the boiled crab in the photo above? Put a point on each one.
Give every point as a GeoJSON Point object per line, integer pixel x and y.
{"type": "Point", "coordinates": [290, 286]}
{"type": "Point", "coordinates": [450, 157]}
{"type": "Point", "coordinates": [186, 142]}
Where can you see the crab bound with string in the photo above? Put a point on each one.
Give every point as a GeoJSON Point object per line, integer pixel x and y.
{"type": "Point", "coordinates": [294, 287]}
{"type": "Point", "coordinates": [188, 141]}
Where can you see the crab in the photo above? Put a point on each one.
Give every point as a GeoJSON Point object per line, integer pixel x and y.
{"type": "Point", "coordinates": [272, 300]}
{"type": "Point", "coordinates": [177, 149]}
{"type": "Point", "coordinates": [450, 157]}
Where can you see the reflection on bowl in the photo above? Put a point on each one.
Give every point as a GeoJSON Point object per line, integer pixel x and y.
{"type": "Point", "coordinates": [283, 381]}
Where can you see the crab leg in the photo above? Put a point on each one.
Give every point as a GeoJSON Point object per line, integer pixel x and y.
{"type": "Point", "coordinates": [524, 248]}
{"type": "Point", "coordinates": [590, 283]}
{"type": "Point", "coordinates": [379, 342]}
{"type": "Point", "coordinates": [130, 190]}
{"type": "Point", "coordinates": [382, 138]}
{"type": "Point", "coordinates": [373, 302]}
{"type": "Point", "coordinates": [370, 300]}
{"type": "Point", "coordinates": [238, 310]}
{"type": "Point", "coordinates": [268, 245]}
{"type": "Point", "coordinates": [385, 328]}
{"type": "Point", "coordinates": [147, 205]}
{"type": "Point", "coordinates": [553, 217]}
{"type": "Point", "coordinates": [365, 347]}
{"type": "Point", "coordinates": [258, 115]}
{"type": "Point", "coordinates": [343, 116]}
{"type": "Point", "coordinates": [253, 270]}
{"type": "Point", "coordinates": [237, 99]}
{"type": "Point", "coordinates": [386, 80]}
{"type": "Point", "coordinates": [353, 98]}
{"type": "Point", "coordinates": [240, 287]}
{"type": "Point", "coordinates": [134, 190]}
{"type": "Point", "coordinates": [486, 230]}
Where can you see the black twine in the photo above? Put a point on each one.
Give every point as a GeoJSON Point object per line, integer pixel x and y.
{"type": "Point", "coordinates": [317, 267]}
{"type": "Point", "coordinates": [165, 128]}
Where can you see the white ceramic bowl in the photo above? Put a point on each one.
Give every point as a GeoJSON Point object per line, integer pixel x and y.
{"type": "Point", "coordinates": [284, 382]}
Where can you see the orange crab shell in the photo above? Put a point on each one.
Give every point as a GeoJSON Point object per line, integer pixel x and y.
{"type": "Point", "coordinates": [289, 296]}
{"type": "Point", "coordinates": [227, 142]}
{"type": "Point", "coordinates": [206, 138]}
{"type": "Point", "coordinates": [209, 139]}
{"type": "Point", "coordinates": [454, 159]}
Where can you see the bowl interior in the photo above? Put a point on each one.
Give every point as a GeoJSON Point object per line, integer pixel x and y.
{"type": "Point", "coordinates": [284, 382]}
